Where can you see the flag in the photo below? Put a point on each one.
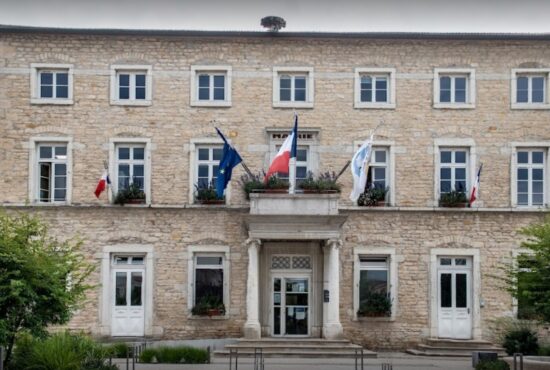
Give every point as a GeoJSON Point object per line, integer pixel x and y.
{"type": "Point", "coordinates": [475, 187]}
{"type": "Point", "coordinates": [230, 159]}
{"type": "Point", "coordinates": [359, 168]}
{"type": "Point", "coordinates": [280, 163]}
{"type": "Point", "coordinates": [104, 181]}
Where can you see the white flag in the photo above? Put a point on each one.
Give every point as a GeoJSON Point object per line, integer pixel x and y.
{"type": "Point", "coordinates": [359, 168]}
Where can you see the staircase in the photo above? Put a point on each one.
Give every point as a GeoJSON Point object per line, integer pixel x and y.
{"type": "Point", "coordinates": [454, 348]}
{"type": "Point", "coordinates": [302, 348]}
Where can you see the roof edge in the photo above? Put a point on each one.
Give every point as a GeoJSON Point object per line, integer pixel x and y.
{"type": "Point", "coordinates": [5, 29]}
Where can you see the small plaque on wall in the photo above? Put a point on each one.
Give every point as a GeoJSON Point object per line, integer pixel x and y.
{"type": "Point", "coordinates": [326, 295]}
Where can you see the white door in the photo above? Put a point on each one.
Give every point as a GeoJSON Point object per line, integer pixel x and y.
{"type": "Point", "coordinates": [290, 306]}
{"type": "Point", "coordinates": [128, 314]}
{"type": "Point", "coordinates": [455, 297]}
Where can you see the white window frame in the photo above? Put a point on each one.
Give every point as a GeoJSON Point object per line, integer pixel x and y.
{"type": "Point", "coordinates": [34, 174]}
{"type": "Point", "coordinates": [389, 73]}
{"type": "Point", "coordinates": [470, 75]}
{"type": "Point", "coordinates": [390, 165]}
{"type": "Point", "coordinates": [371, 252]}
{"type": "Point", "coordinates": [530, 72]}
{"type": "Point", "coordinates": [203, 250]}
{"type": "Point", "coordinates": [209, 163]}
{"type": "Point", "coordinates": [194, 145]}
{"type": "Point", "coordinates": [36, 69]}
{"type": "Point", "coordinates": [534, 145]}
{"type": "Point", "coordinates": [197, 70]}
{"type": "Point", "coordinates": [113, 164]}
{"type": "Point", "coordinates": [293, 71]}
{"type": "Point", "coordinates": [132, 70]}
{"type": "Point", "coordinates": [312, 145]}
{"type": "Point", "coordinates": [467, 144]}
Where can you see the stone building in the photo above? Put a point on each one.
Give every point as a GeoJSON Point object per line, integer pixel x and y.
{"type": "Point", "coordinates": [147, 103]}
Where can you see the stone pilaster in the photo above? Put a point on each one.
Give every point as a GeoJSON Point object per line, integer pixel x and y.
{"type": "Point", "coordinates": [252, 328]}
{"type": "Point", "coordinates": [332, 328]}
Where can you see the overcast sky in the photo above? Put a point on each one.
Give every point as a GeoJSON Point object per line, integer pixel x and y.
{"type": "Point", "coordinates": [300, 15]}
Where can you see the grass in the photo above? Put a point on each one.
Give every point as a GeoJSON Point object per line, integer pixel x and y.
{"type": "Point", "coordinates": [175, 355]}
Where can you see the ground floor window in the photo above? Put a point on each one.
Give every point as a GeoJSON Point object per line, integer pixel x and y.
{"type": "Point", "coordinates": [209, 275]}
{"type": "Point", "coordinates": [374, 286]}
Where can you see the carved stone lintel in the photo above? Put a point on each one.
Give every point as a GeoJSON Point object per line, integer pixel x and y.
{"type": "Point", "coordinates": [253, 242]}
{"type": "Point", "coordinates": [333, 243]}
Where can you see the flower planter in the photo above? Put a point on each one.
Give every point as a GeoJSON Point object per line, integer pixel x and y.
{"type": "Point", "coordinates": [214, 312]}
{"type": "Point", "coordinates": [275, 191]}
{"type": "Point", "coordinates": [135, 201]}
{"type": "Point", "coordinates": [454, 205]}
{"type": "Point", "coordinates": [374, 314]}
{"type": "Point", "coordinates": [211, 201]}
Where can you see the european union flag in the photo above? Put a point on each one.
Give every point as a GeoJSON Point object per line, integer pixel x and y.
{"type": "Point", "coordinates": [230, 158]}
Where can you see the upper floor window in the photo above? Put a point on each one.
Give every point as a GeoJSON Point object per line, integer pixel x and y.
{"type": "Point", "coordinates": [211, 86]}
{"type": "Point", "coordinates": [529, 88]}
{"type": "Point", "coordinates": [52, 171]}
{"type": "Point", "coordinates": [374, 88]}
{"type": "Point", "coordinates": [454, 88]}
{"type": "Point", "coordinates": [293, 87]}
{"type": "Point", "coordinates": [51, 83]}
{"type": "Point", "coordinates": [130, 85]}
{"type": "Point", "coordinates": [130, 163]}
{"type": "Point", "coordinates": [302, 163]}
{"type": "Point", "coordinates": [453, 170]}
{"type": "Point", "coordinates": [207, 165]}
{"type": "Point", "coordinates": [530, 177]}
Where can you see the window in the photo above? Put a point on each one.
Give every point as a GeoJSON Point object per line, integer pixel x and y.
{"type": "Point", "coordinates": [208, 160]}
{"type": "Point", "coordinates": [302, 167]}
{"type": "Point", "coordinates": [211, 86]}
{"type": "Point", "coordinates": [454, 88]}
{"type": "Point", "coordinates": [51, 83]}
{"type": "Point", "coordinates": [130, 85]}
{"type": "Point", "coordinates": [529, 88]}
{"type": "Point", "coordinates": [453, 169]}
{"type": "Point", "coordinates": [293, 87]}
{"type": "Point", "coordinates": [530, 177]}
{"type": "Point", "coordinates": [374, 88]}
{"type": "Point", "coordinates": [130, 163]}
{"type": "Point", "coordinates": [377, 176]}
{"type": "Point", "coordinates": [52, 172]}
{"type": "Point", "coordinates": [375, 281]}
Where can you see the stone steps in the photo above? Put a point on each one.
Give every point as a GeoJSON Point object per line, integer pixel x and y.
{"type": "Point", "coordinates": [301, 348]}
{"type": "Point", "coordinates": [454, 348]}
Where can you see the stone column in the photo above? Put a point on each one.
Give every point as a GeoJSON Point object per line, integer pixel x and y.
{"type": "Point", "coordinates": [252, 328]}
{"type": "Point", "coordinates": [332, 328]}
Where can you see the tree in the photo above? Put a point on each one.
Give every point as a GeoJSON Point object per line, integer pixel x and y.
{"type": "Point", "coordinates": [42, 280]}
{"type": "Point", "coordinates": [528, 279]}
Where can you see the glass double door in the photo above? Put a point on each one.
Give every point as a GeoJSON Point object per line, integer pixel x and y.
{"type": "Point", "coordinates": [291, 307]}
{"type": "Point", "coordinates": [128, 314]}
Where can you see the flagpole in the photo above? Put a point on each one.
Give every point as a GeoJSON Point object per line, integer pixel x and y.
{"type": "Point", "coordinates": [292, 167]}
{"type": "Point", "coordinates": [242, 161]}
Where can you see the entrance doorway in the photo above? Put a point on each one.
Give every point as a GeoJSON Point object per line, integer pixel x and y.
{"type": "Point", "coordinates": [455, 297]}
{"type": "Point", "coordinates": [128, 313]}
{"type": "Point", "coordinates": [291, 305]}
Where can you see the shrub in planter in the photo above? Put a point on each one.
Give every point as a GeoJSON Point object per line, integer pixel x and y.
{"type": "Point", "coordinates": [521, 341]}
{"type": "Point", "coordinates": [375, 305]}
{"type": "Point", "coordinates": [455, 198]}
{"type": "Point", "coordinates": [148, 355]}
{"type": "Point", "coordinates": [207, 194]}
{"type": "Point", "coordinates": [251, 183]}
{"type": "Point", "coordinates": [209, 305]}
{"type": "Point", "coordinates": [372, 196]}
{"type": "Point", "coordinates": [492, 365]}
{"type": "Point", "coordinates": [174, 355]}
{"type": "Point", "coordinates": [276, 183]}
{"type": "Point", "coordinates": [326, 182]}
{"type": "Point", "coordinates": [118, 350]}
{"type": "Point", "coordinates": [131, 194]}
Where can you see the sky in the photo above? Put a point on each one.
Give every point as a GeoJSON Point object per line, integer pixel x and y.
{"type": "Point", "coordinates": [525, 16]}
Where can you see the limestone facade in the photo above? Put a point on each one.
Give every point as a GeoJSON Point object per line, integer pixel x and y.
{"type": "Point", "coordinates": [171, 224]}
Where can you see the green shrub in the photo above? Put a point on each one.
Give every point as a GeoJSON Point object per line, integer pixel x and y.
{"type": "Point", "coordinates": [175, 355]}
{"type": "Point", "coordinates": [132, 192]}
{"type": "Point", "coordinates": [118, 350]}
{"type": "Point", "coordinates": [453, 198]}
{"type": "Point", "coordinates": [521, 341]}
{"type": "Point", "coordinates": [148, 355]}
{"type": "Point", "coordinates": [196, 356]}
{"type": "Point", "coordinates": [544, 351]}
{"type": "Point", "coordinates": [375, 304]}
{"type": "Point", "coordinates": [492, 365]}
{"type": "Point", "coordinates": [251, 183]}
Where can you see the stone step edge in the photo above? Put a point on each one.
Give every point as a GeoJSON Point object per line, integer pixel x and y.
{"type": "Point", "coordinates": [440, 353]}
{"type": "Point", "coordinates": [450, 348]}
{"type": "Point", "coordinates": [325, 354]}
{"type": "Point", "coordinates": [458, 341]}
{"type": "Point", "coordinates": [302, 345]}
{"type": "Point", "coordinates": [293, 340]}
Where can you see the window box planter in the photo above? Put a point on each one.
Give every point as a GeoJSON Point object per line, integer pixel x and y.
{"type": "Point", "coordinates": [207, 195]}
{"type": "Point", "coordinates": [135, 201]}
{"type": "Point", "coordinates": [130, 195]}
{"type": "Point", "coordinates": [324, 184]}
{"type": "Point", "coordinates": [375, 305]}
{"type": "Point", "coordinates": [373, 197]}
{"type": "Point", "coordinates": [211, 201]}
{"type": "Point", "coordinates": [453, 199]}
{"type": "Point", "coordinates": [209, 306]}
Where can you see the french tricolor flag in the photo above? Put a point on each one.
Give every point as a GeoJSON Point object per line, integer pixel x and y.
{"type": "Point", "coordinates": [475, 187]}
{"type": "Point", "coordinates": [280, 163]}
{"type": "Point", "coordinates": [102, 184]}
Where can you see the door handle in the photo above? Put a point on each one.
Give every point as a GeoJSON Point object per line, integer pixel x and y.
{"type": "Point", "coordinates": [468, 310]}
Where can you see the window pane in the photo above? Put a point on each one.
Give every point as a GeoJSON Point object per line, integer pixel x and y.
{"type": "Point", "coordinates": [538, 187]}
{"type": "Point", "coordinates": [123, 153]}
{"type": "Point", "coordinates": [123, 80]}
{"type": "Point", "coordinates": [379, 173]}
{"type": "Point", "coordinates": [461, 261]}
{"type": "Point", "coordinates": [219, 94]}
{"type": "Point", "coordinates": [377, 281]}
{"type": "Point", "coordinates": [538, 157]}
{"type": "Point", "coordinates": [285, 82]}
{"type": "Point", "coordinates": [204, 154]}
{"type": "Point", "coordinates": [460, 96]}
{"type": "Point", "coordinates": [217, 154]}
{"type": "Point", "coordinates": [208, 284]}
{"type": "Point", "coordinates": [538, 96]}
{"type": "Point", "coordinates": [523, 186]}
{"type": "Point", "coordinates": [60, 152]}
{"type": "Point", "coordinates": [45, 182]}
{"type": "Point", "coordinates": [204, 93]}
{"type": "Point", "coordinates": [121, 260]}
{"type": "Point", "coordinates": [522, 83]}
{"type": "Point", "coordinates": [123, 170]}
{"type": "Point", "coordinates": [204, 81]}
{"type": "Point", "coordinates": [60, 182]}
{"type": "Point", "coordinates": [61, 92]}
{"type": "Point", "coordinates": [300, 82]}
{"type": "Point", "coordinates": [460, 83]}
{"type": "Point", "coordinates": [219, 81]}
{"type": "Point", "coordinates": [445, 187]}
{"type": "Point", "coordinates": [124, 93]}
{"type": "Point", "coordinates": [537, 173]}
{"type": "Point", "coordinates": [523, 199]}
{"type": "Point", "coordinates": [46, 78]}
{"type": "Point", "coordinates": [284, 94]}
{"type": "Point", "coordinates": [296, 320]}
{"type": "Point", "coordinates": [300, 95]}
{"type": "Point", "coordinates": [523, 157]}
{"type": "Point", "coordinates": [381, 96]}
{"type": "Point", "coordinates": [460, 157]}
{"type": "Point", "coordinates": [140, 80]}
{"type": "Point", "coordinates": [445, 96]}
{"type": "Point", "coordinates": [538, 199]}
{"type": "Point", "coordinates": [460, 173]}
{"type": "Point", "coordinates": [59, 195]}
{"type": "Point", "coordinates": [46, 92]}
{"type": "Point", "coordinates": [135, 289]}
{"type": "Point", "coordinates": [522, 96]}
{"type": "Point", "coordinates": [45, 152]}
{"type": "Point", "coordinates": [381, 83]}
{"type": "Point", "coordinates": [523, 174]}
{"type": "Point", "coordinates": [140, 93]}
{"type": "Point", "coordinates": [203, 171]}
{"type": "Point", "coordinates": [120, 289]}
{"type": "Point", "coordinates": [366, 95]}
{"type": "Point", "coordinates": [446, 262]}
{"type": "Point", "coordinates": [138, 170]}
{"type": "Point", "coordinates": [62, 79]}
{"type": "Point", "coordinates": [380, 156]}
{"type": "Point", "coordinates": [209, 260]}
{"type": "Point", "coordinates": [446, 156]}
{"type": "Point", "coordinates": [445, 83]}
{"type": "Point", "coordinates": [522, 90]}
{"type": "Point", "coordinates": [137, 260]}
{"type": "Point", "coordinates": [445, 173]}
{"type": "Point", "coordinates": [139, 153]}
{"type": "Point", "coordinates": [445, 289]}
{"type": "Point", "coordinates": [461, 291]}
{"type": "Point", "coordinates": [301, 172]}
{"type": "Point", "coordinates": [301, 155]}
{"type": "Point", "coordinates": [277, 321]}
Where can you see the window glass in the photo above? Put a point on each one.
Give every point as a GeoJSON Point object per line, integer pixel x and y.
{"type": "Point", "coordinates": [135, 288]}
{"type": "Point", "coordinates": [446, 290]}
{"type": "Point", "coordinates": [208, 284]}
{"type": "Point", "coordinates": [461, 290]}
{"type": "Point", "coordinates": [52, 173]}
{"type": "Point", "coordinates": [120, 289]}
{"type": "Point", "coordinates": [209, 260]}
{"type": "Point", "coordinates": [538, 89]}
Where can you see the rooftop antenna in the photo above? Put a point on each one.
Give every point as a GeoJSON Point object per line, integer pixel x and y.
{"type": "Point", "coordinates": [274, 23]}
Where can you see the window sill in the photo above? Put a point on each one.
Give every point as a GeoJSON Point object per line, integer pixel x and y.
{"type": "Point", "coordinates": [453, 106]}
{"type": "Point", "coordinates": [40, 101]}
{"type": "Point", "coordinates": [215, 318]}
{"type": "Point", "coordinates": [132, 103]}
{"type": "Point", "coordinates": [361, 105]}
{"type": "Point", "coordinates": [535, 106]}
{"type": "Point", "coordinates": [375, 319]}
{"type": "Point", "coordinates": [50, 204]}
{"type": "Point", "coordinates": [279, 104]}
{"type": "Point", "coordinates": [212, 104]}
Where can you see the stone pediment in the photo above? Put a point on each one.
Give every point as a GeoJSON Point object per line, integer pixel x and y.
{"type": "Point", "coordinates": [293, 204]}
{"type": "Point", "coordinates": [294, 227]}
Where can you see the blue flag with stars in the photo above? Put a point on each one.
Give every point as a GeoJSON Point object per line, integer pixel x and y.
{"type": "Point", "coordinates": [230, 159]}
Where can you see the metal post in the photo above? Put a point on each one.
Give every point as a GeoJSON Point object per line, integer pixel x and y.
{"type": "Point", "coordinates": [127, 358]}
{"type": "Point", "coordinates": [233, 351]}
{"type": "Point", "coordinates": [134, 357]}
{"type": "Point", "coordinates": [258, 359]}
{"type": "Point", "coordinates": [520, 355]}
{"type": "Point", "coordinates": [356, 358]}
{"type": "Point", "coordinates": [362, 364]}
{"type": "Point", "coordinates": [1, 358]}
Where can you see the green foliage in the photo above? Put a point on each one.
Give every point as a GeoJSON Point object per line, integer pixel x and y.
{"type": "Point", "coordinates": [453, 198]}
{"type": "Point", "coordinates": [326, 182]}
{"type": "Point", "coordinates": [275, 182]}
{"type": "Point", "coordinates": [251, 183]}
{"type": "Point", "coordinates": [208, 302]}
{"type": "Point", "coordinates": [375, 304]}
{"type": "Point", "coordinates": [528, 278]}
{"type": "Point", "coordinates": [206, 193]}
{"type": "Point", "coordinates": [132, 192]}
{"type": "Point", "coordinates": [42, 280]}
{"type": "Point", "coordinates": [492, 365]}
{"type": "Point", "coordinates": [61, 351]}
{"type": "Point", "coordinates": [175, 355]}
{"type": "Point", "coordinates": [544, 350]}
{"type": "Point", "coordinates": [118, 350]}
{"type": "Point", "coordinates": [372, 196]}
{"type": "Point", "coordinates": [521, 341]}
